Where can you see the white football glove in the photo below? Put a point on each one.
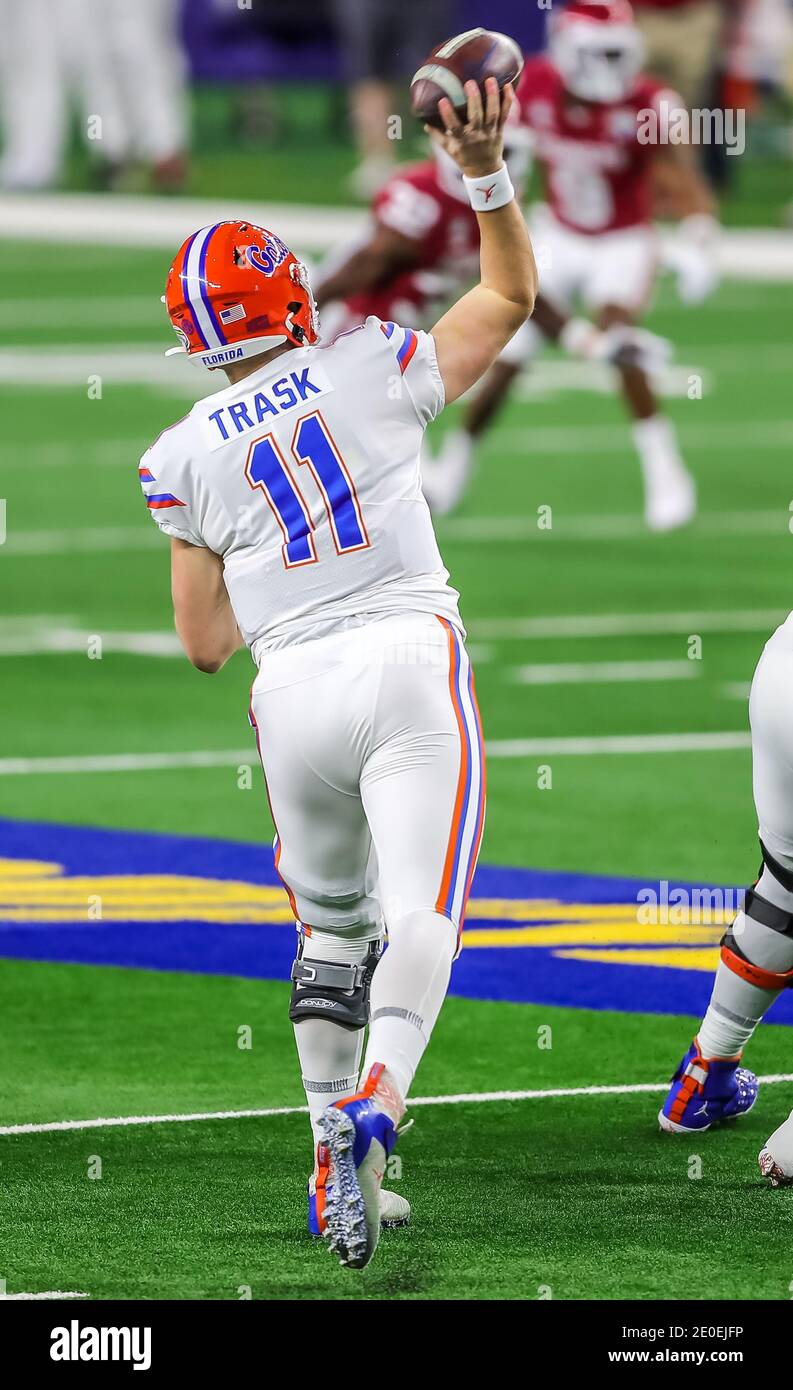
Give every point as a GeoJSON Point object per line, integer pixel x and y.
{"type": "Point", "coordinates": [692, 255]}
{"type": "Point", "coordinates": [622, 345]}
{"type": "Point", "coordinates": [626, 346]}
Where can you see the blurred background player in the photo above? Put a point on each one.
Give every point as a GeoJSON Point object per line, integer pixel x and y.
{"type": "Point", "coordinates": [120, 65]}
{"type": "Point", "coordinates": [757, 949]}
{"type": "Point", "coordinates": [595, 240]}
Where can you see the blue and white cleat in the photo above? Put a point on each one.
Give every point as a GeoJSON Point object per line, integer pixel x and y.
{"type": "Point", "coordinates": [360, 1133]}
{"type": "Point", "coordinates": [705, 1090]}
{"type": "Point", "coordinates": [394, 1210]}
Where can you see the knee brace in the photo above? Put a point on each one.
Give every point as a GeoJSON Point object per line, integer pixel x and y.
{"type": "Point", "coordinates": [767, 914]}
{"type": "Point", "coordinates": [337, 991]}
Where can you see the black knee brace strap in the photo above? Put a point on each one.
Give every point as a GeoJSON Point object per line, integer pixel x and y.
{"type": "Point", "coordinates": [768, 915]}
{"type": "Point", "coordinates": [781, 874]}
{"type": "Point", "coordinates": [325, 989]}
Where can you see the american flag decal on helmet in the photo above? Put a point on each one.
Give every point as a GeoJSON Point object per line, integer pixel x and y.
{"type": "Point", "coordinates": [231, 315]}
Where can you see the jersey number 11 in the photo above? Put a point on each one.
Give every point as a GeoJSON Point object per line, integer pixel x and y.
{"type": "Point", "coordinates": [267, 469]}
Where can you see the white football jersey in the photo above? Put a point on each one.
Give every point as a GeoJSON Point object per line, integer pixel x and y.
{"type": "Point", "coordinates": [305, 479]}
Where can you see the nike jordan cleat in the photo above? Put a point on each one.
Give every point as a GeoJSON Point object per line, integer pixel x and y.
{"type": "Point", "coordinates": [360, 1133]}
{"type": "Point", "coordinates": [394, 1210]}
{"type": "Point", "coordinates": [705, 1090]}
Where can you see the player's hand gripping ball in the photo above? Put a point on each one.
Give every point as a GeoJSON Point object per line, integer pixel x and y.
{"type": "Point", "coordinates": [470, 57]}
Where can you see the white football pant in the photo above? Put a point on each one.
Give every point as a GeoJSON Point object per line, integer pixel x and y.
{"type": "Point", "coordinates": [372, 753]}
{"type": "Point", "coordinates": [614, 268]}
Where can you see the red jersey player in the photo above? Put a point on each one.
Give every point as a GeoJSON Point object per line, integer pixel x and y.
{"type": "Point", "coordinates": [588, 109]}
{"type": "Point", "coordinates": [421, 249]}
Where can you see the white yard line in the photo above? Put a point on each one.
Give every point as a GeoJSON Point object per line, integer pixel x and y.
{"type": "Point", "coordinates": [736, 690]}
{"type": "Point", "coordinates": [127, 762]}
{"type": "Point", "coordinates": [597, 672]}
{"type": "Point", "coordinates": [613, 527]}
{"type": "Point", "coordinates": [74, 364]}
{"type": "Point", "coordinates": [78, 310]}
{"type": "Point", "coordinates": [607, 744]}
{"type": "Point", "coordinates": [717, 742]}
{"type": "Point", "coordinates": [41, 641]}
{"type": "Point", "coordinates": [740, 435]}
{"type": "Point", "coordinates": [462, 1098]}
{"type": "Point", "coordinates": [565, 625]}
{"type": "Point", "coordinates": [484, 529]}
{"type": "Point", "coordinates": [81, 540]}
{"type": "Point", "coordinates": [138, 221]}
{"type": "Point", "coordinates": [52, 1293]}
{"type": "Point", "coordinates": [78, 453]}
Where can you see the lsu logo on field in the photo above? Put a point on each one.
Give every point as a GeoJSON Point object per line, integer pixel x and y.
{"type": "Point", "coordinates": [106, 897]}
{"type": "Point", "coordinates": [268, 256]}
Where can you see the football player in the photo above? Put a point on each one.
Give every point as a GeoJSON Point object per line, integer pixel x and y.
{"type": "Point", "coordinates": [423, 247]}
{"type": "Point", "coordinates": [757, 950]}
{"type": "Point", "coordinates": [298, 528]}
{"type": "Point", "coordinates": [589, 110]}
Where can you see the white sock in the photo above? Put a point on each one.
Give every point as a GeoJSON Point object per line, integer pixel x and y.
{"type": "Point", "coordinates": [408, 990]}
{"type": "Point", "coordinates": [657, 447]}
{"type": "Point", "coordinates": [330, 1056]}
{"type": "Point", "coordinates": [330, 1059]}
{"type": "Point", "coordinates": [736, 1006]}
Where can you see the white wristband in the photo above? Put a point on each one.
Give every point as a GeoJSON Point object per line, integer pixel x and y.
{"type": "Point", "coordinates": [489, 192]}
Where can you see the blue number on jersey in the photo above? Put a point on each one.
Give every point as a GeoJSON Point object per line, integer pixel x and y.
{"type": "Point", "coordinates": [267, 469]}
{"type": "Point", "coordinates": [313, 445]}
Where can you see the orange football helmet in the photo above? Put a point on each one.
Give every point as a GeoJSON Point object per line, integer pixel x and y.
{"type": "Point", "coordinates": [235, 290]}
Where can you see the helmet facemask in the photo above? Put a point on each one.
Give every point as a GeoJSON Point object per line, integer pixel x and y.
{"type": "Point", "coordinates": [598, 63]}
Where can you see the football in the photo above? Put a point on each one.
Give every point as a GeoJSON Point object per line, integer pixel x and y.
{"type": "Point", "coordinates": [472, 56]}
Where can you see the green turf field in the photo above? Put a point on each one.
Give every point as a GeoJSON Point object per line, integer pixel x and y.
{"type": "Point", "coordinates": [82, 554]}
{"type": "Point", "coordinates": [567, 1198]}
{"type": "Point", "coordinates": [578, 1194]}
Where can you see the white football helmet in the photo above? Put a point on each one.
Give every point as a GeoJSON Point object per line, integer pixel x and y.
{"type": "Point", "coordinates": [597, 48]}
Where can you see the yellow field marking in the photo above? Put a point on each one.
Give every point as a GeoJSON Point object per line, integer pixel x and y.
{"type": "Point", "coordinates": [693, 959]}
{"type": "Point", "coordinates": [38, 891]}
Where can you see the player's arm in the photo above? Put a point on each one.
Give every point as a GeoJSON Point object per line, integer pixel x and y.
{"type": "Point", "coordinates": [679, 190]}
{"type": "Point", "coordinates": [472, 333]}
{"type": "Point", "coordinates": [202, 612]}
{"type": "Point", "coordinates": [681, 193]}
{"type": "Point", "coordinates": [387, 254]}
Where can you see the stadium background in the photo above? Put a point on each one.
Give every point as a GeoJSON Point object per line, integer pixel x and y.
{"type": "Point", "coordinates": [140, 924]}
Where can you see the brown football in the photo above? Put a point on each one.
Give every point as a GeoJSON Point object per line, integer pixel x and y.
{"type": "Point", "coordinates": [473, 56]}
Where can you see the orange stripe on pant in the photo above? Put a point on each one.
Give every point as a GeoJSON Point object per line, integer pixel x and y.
{"type": "Point", "coordinates": [459, 800]}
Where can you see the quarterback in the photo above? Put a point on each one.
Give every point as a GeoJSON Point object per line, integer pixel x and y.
{"type": "Point", "coordinates": [298, 528]}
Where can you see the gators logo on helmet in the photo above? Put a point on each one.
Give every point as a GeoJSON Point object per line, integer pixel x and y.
{"type": "Point", "coordinates": [268, 257]}
{"type": "Point", "coordinates": [235, 290]}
